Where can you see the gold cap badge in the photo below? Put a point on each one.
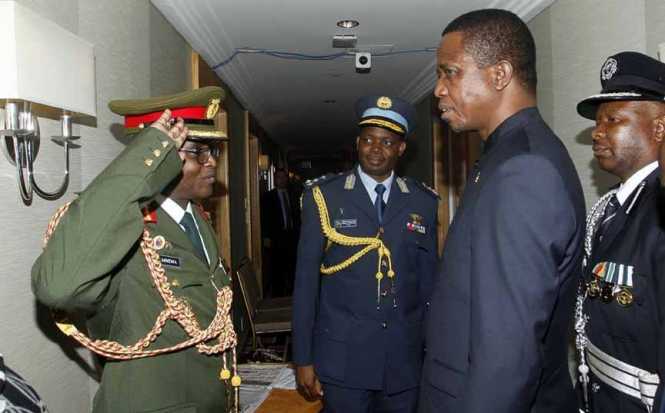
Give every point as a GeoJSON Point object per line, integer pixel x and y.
{"type": "Point", "coordinates": [384, 102]}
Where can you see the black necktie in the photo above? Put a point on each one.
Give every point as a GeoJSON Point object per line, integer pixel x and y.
{"type": "Point", "coordinates": [379, 204]}
{"type": "Point", "coordinates": [610, 212]}
{"type": "Point", "coordinates": [187, 221]}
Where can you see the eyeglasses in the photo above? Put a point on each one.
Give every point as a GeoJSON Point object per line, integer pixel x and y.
{"type": "Point", "coordinates": [203, 153]}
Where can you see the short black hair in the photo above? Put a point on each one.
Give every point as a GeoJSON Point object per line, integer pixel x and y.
{"type": "Point", "coordinates": [492, 35]}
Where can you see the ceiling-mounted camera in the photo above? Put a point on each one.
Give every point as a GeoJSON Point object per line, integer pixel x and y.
{"type": "Point", "coordinates": [363, 62]}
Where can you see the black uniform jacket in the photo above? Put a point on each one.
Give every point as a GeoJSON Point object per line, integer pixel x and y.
{"type": "Point", "coordinates": [502, 306]}
{"type": "Point", "coordinates": [633, 334]}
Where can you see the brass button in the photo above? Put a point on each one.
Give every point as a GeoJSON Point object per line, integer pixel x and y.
{"type": "Point", "coordinates": [165, 144]}
{"type": "Point", "coordinates": [175, 283]}
{"type": "Point", "coordinates": [384, 325]}
{"type": "Point", "coordinates": [147, 162]}
{"type": "Point", "coordinates": [141, 125]}
{"type": "Point", "coordinates": [156, 152]}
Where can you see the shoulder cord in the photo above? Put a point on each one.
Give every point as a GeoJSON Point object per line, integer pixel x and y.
{"type": "Point", "coordinates": [177, 308]}
{"type": "Point", "coordinates": [370, 243]}
{"type": "Point", "coordinates": [593, 218]}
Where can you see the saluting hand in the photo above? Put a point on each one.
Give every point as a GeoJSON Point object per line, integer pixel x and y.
{"type": "Point", "coordinates": [176, 131]}
{"type": "Point", "coordinates": [308, 383]}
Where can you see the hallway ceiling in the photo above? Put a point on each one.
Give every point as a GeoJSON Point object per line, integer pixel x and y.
{"type": "Point", "coordinates": [309, 103]}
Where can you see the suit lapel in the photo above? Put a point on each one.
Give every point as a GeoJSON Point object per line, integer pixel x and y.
{"type": "Point", "coordinates": [623, 215]}
{"type": "Point", "coordinates": [173, 233]}
{"type": "Point", "coordinates": [396, 202]}
{"type": "Point", "coordinates": [209, 239]}
{"type": "Point", "coordinates": [361, 198]}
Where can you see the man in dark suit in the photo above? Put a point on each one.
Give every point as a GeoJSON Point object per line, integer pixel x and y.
{"type": "Point", "coordinates": [502, 305]}
{"type": "Point", "coordinates": [280, 225]}
{"type": "Point", "coordinates": [366, 260]}
{"type": "Point", "coordinates": [621, 306]}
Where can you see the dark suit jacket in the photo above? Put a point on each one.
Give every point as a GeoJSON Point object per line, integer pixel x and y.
{"type": "Point", "coordinates": [503, 302]}
{"type": "Point", "coordinates": [336, 323]}
{"type": "Point", "coordinates": [272, 224]}
{"type": "Point", "coordinates": [633, 334]}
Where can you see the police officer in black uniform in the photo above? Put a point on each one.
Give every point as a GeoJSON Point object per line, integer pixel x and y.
{"type": "Point", "coordinates": [621, 306]}
{"type": "Point", "coordinates": [364, 272]}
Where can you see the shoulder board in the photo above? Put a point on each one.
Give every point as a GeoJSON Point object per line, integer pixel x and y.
{"type": "Point", "coordinates": [425, 188]}
{"type": "Point", "coordinates": [321, 180]}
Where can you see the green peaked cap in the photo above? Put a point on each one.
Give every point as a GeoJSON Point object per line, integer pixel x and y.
{"type": "Point", "coordinates": [197, 107]}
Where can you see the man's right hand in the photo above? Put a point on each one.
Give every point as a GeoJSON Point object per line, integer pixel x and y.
{"type": "Point", "coordinates": [177, 132]}
{"type": "Point", "coordinates": [308, 383]}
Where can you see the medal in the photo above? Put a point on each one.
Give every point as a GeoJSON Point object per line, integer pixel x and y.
{"type": "Point", "coordinates": [606, 292]}
{"type": "Point", "coordinates": [624, 297]}
{"type": "Point", "coordinates": [593, 289]}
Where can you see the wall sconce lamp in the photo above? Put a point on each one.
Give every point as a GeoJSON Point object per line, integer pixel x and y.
{"type": "Point", "coordinates": [46, 72]}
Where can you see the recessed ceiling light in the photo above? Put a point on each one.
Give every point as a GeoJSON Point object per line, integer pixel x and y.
{"type": "Point", "coordinates": [348, 24]}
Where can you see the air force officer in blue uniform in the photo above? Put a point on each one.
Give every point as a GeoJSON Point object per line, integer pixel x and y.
{"type": "Point", "coordinates": [501, 310]}
{"type": "Point", "coordinates": [358, 317]}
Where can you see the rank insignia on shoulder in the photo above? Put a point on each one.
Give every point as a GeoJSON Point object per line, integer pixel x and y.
{"type": "Point", "coordinates": [316, 181]}
{"type": "Point", "coordinates": [426, 188]}
{"type": "Point", "coordinates": [416, 224]}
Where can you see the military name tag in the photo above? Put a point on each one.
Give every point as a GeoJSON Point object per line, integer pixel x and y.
{"type": "Point", "coordinates": [346, 223]}
{"type": "Point", "coordinates": [170, 261]}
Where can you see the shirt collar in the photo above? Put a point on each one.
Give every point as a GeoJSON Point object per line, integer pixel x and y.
{"type": "Point", "coordinates": [370, 184]}
{"type": "Point", "coordinates": [175, 211]}
{"type": "Point", "coordinates": [631, 183]}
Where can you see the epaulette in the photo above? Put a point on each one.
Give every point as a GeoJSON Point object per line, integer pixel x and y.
{"type": "Point", "coordinates": [321, 180]}
{"type": "Point", "coordinates": [425, 188]}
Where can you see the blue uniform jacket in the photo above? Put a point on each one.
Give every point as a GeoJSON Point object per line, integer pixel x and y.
{"type": "Point", "coordinates": [336, 323]}
{"type": "Point", "coordinates": [498, 329]}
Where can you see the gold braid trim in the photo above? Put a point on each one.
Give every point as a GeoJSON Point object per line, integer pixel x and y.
{"type": "Point", "coordinates": [370, 243]}
{"type": "Point", "coordinates": [177, 309]}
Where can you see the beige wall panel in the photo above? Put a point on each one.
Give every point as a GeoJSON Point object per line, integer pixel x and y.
{"type": "Point", "coordinates": [122, 32]}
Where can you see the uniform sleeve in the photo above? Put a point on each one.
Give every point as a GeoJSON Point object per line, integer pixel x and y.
{"type": "Point", "coordinates": [306, 289]}
{"type": "Point", "coordinates": [103, 224]}
{"type": "Point", "coordinates": [523, 227]}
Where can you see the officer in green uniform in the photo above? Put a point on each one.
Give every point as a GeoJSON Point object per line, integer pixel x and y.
{"type": "Point", "coordinates": [136, 255]}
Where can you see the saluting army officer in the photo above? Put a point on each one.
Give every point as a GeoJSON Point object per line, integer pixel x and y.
{"type": "Point", "coordinates": [365, 266]}
{"type": "Point", "coordinates": [621, 306]}
{"type": "Point", "coordinates": [134, 246]}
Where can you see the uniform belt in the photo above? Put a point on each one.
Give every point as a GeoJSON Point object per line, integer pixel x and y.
{"type": "Point", "coordinates": [623, 377]}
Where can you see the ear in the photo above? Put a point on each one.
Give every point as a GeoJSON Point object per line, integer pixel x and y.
{"type": "Point", "coordinates": [659, 129]}
{"type": "Point", "coordinates": [401, 148]}
{"type": "Point", "coordinates": [502, 74]}
{"type": "Point", "coordinates": [357, 141]}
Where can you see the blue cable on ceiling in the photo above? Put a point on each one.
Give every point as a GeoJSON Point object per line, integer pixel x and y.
{"type": "Point", "coordinates": [310, 57]}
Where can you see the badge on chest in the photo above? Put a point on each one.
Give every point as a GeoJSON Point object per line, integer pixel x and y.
{"type": "Point", "coordinates": [415, 224]}
{"type": "Point", "coordinates": [612, 281]}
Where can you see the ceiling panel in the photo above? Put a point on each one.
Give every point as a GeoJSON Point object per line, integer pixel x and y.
{"type": "Point", "coordinates": [288, 97]}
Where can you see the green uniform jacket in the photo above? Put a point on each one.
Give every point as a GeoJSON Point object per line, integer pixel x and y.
{"type": "Point", "coordinates": [93, 265]}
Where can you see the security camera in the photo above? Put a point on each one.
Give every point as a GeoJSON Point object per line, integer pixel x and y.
{"type": "Point", "coordinates": [363, 62]}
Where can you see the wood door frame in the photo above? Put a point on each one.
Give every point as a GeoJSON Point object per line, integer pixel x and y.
{"type": "Point", "coordinates": [202, 75]}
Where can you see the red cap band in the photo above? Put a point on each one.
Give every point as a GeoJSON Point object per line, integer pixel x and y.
{"type": "Point", "coordinates": [194, 112]}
